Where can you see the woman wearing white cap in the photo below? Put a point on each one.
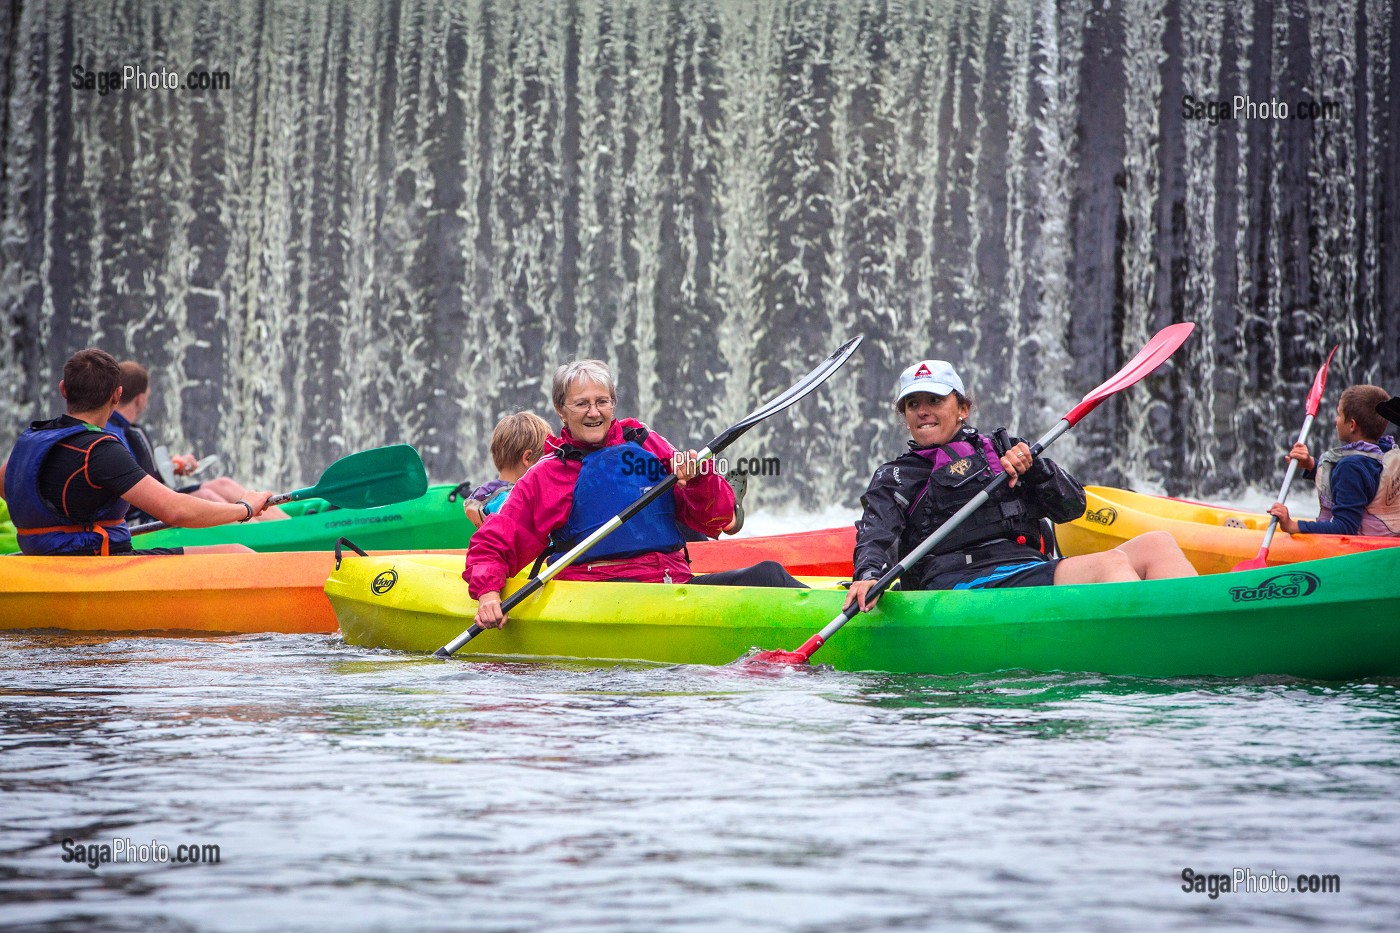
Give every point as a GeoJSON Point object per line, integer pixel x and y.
{"type": "Point", "coordinates": [947, 464]}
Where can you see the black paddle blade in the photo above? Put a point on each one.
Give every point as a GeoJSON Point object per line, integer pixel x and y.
{"type": "Point", "coordinates": [1390, 410]}
{"type": "Point", "coordinates": [802, 387]}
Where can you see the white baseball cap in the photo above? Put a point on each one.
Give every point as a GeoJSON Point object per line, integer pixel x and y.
{"type": "Point", "coordinates": [934, 376]}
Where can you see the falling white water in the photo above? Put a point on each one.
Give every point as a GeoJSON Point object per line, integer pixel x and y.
{"type": "Point", "coordinates": [398, 219]}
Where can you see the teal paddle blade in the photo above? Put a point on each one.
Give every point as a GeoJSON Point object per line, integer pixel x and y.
{"type": "Point", "coordinates": [381, 476]}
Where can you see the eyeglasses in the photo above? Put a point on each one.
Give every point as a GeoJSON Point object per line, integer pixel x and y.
{"type": "Point", "coordinates": [604, 405]}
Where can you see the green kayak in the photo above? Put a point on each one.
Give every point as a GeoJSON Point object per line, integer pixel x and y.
{"type": "Point", "coordinates": [426, 523]}
{"type": "Point", "coordinates": [1332, 619]}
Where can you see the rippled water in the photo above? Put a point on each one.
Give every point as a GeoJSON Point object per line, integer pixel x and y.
{"type": "Point", "coordinates": [352, 789]}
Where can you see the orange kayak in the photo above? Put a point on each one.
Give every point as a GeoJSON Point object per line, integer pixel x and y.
{"type": "Point", "coordinates": [280, 592]}
{"type": "Point", "coordinates": [1213, 538]}
{"type": "Point", "coordinates": [194, 593]}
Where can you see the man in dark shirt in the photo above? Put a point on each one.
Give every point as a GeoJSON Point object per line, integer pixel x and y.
{"type": "Point", "coordinates": [68, 481]}
{"type": "Point", "coordinates": [108, 471]}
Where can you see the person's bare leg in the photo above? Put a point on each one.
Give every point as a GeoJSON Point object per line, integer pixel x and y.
{"type": "Point", "coordinates": [1157, 556]}
{"type": "Point", "coordinates": [1105, 567]}
{"type": "Point", "coordinates": [224, 489]}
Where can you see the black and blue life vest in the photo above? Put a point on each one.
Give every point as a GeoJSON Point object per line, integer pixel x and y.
{"type": "Point", "coordinates": [43, 529]}
{"type": "Point", "coordinates": [1004, 527]}
{"type": "Point", "coordinates": [609, 480]}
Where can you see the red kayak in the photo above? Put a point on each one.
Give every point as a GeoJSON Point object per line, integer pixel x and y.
{"type": "Point", "coordinates": [825, 553]}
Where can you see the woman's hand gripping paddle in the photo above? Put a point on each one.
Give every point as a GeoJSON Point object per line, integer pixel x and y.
{"type": "Point", "coordinates": [381, 476]}
{"type": "Point", "coordinates": [1260, 560]}
{"type": "Point", "coordinates": [1161, 346]}
{"type": "Point", "coordinates": [803, 386]}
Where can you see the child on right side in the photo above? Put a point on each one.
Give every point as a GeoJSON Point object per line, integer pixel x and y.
{"type": "Point", "coordinates": [1358, 481]}
{"type": "Point", "coordinates": [517, 442]}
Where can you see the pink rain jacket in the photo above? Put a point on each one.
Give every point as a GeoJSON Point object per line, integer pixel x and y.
{"type": "Point", "coordinates": [539, 505]}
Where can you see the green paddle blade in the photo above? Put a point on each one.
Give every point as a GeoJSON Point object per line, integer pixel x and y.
{"type": "Point", "coordinates": [370, 478]}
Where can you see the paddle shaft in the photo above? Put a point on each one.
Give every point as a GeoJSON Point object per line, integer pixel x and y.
{"type": "Point", "coordinates": [275, 500]}
{"type": "Point", "coordinates": [577, 551]}
{"type": "Point", "coordinates": [810, 646]}
{"type": "Point", "coordinates": [1287, 483]}
{"type": "Point", "coordinates": [1310, 407]}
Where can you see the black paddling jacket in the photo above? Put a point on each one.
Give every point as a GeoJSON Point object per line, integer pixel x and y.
{"type": "Point", "coordinates": [912, 496]}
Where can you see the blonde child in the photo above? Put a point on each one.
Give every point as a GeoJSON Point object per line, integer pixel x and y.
{"type": "Point", "coordinates": [516, 443]}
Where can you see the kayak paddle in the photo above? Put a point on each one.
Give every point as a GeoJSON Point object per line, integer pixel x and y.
{"type": "Point", "coordinates": [1260, 560]}
{"type": "Point", "coordinates": [799, 389]}
{"type": "Point", "coordinates": [1151, 356]}
{"type": "Point", "coordinates": [363, 480]}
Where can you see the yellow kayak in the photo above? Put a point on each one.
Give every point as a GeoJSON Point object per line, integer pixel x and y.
{"type": "Point", "coordinates": [1214, 538]}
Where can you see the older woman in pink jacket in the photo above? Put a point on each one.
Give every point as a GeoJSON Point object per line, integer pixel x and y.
{"type": "Point", "coordinates": [597, 467]}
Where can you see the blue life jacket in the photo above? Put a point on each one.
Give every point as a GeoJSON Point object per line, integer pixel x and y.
{"type": "Point", "coordinates": [41, 529]}
{"type": "Point", "coordinates": [610, 480]}
{"type": "Point", "coordinates": [118, 426]}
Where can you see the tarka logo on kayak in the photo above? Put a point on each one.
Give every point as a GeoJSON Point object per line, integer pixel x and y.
{"type": "Point", "coordinates": [1289, 585]}
{"type": "Point", "coordinates": [384, 582]}
{"type": "Point", "coordinates": [1104, 516]}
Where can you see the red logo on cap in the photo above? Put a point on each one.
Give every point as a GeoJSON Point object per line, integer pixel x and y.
{"type": "Point", "coordinates": [922, 371]}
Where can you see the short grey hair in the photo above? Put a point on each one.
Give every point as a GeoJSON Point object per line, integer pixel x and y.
{"type": "Point", "coordinates": [571, 374]}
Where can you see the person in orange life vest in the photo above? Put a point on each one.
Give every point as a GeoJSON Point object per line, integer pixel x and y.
{"type": "Point", "coordinates": [947, 464]}
{"type": "Point", "coordinates": [1358, 482]}
{"type": "Point", "coordinates": [69, 482]}
{"type": "Point", "coordinates": [136, 396]}
{"type": "Point", "coordinates": [516, 443]}
{"type": "Point", "coordinates": [597, 466]}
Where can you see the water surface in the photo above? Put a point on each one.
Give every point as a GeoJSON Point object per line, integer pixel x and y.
{"type": "Point", "coordinates": [357, 789]}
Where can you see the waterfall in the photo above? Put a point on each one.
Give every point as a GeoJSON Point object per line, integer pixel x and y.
{"type": "Point", "coordinates": [398, 218]}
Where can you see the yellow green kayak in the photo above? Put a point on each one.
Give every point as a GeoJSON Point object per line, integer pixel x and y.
{"type": "Point", "coordinates": [1327, 619]}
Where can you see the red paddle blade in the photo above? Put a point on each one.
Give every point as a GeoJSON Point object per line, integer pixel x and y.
{"type": "Point", "coordinates": [777, 657]}
{"type": "Point", "coordinates": [1257, 562]}
{"type": "Point", "coordinates": [1162, 345]}
{"type": "Point", "coordinates": [1319, 383]}
{"type": "Point", "coordinates": [791, 658]}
